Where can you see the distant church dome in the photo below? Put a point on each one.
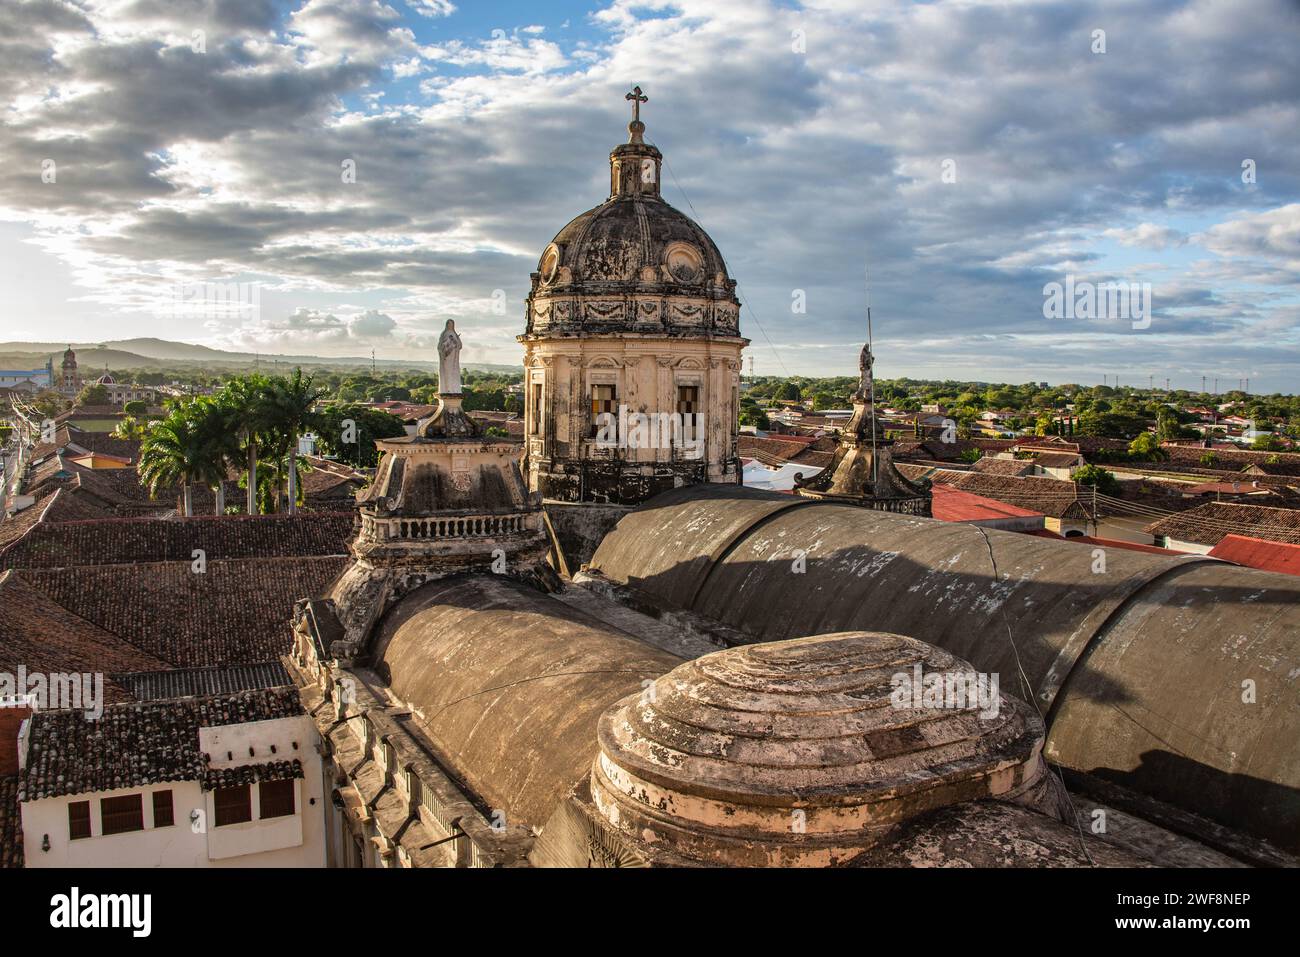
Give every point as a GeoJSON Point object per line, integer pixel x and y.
{"type": "Point", "coordinates": [106, 379]}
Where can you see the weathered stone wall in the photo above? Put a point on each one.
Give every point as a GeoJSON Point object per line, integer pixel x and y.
{"type": "Point", "coordinates": [565, 462]}
{"type": "Point", "coordinates": [580, 528]}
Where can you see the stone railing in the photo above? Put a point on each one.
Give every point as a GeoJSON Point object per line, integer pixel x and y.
{"type": "Point", "coordinates": [446, 528]}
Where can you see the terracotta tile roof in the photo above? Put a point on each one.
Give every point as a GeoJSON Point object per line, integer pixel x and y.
{"type": "Point", "coordinates": [994, 445]}
{"type": "Point", "coordinates": [953, 505]}
{"type": "Point", "coordinates": [103, 442]}
{"type": "Point", "coordinates": [68, 506]}
{"type": "Point", "coordinates": [993, 466]}
{"type": "Point", "coordinates": [11, 824]}
{"type": "Point", "coordinates": [1259, 553]}
{"type": "Point", "coordinates": [1226, 488]}
{"type": "Point", "coordinates": [814, 458]}
{"type": "Point", "coordinates": [1056, 460]}
{"type": "Point", "coordinates": [238, 611]}
{"type": "Point", "coordinates": [1051, 497]}
{"type": "Point", "coordinates": [321, 484]}
{"type": "Point", "coordinates": [137, 744]}
{"type": "Point", "coordinates": [1210, 523]}
{"type": "Point", "coordinates": [1234, 458]}
{"type": "Point", "coordinates": [43, 636]}
{"type": "Point", "coordinates": [933, 449]}
{"type": "Point", "coordinates": [770, 451]}
{"type": "Point", "coordinates": [132, 540]}
{"type": "Point", "coordinates": [14, 527]}
{"type": "Point", "coordinates": [1275, 468]}
{"type": "Point", "coordinates": [1050, 443]}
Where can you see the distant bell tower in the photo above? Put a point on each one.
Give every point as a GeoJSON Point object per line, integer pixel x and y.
{"type": "Point", "coordinates": [70, 383]}
{"type": "Point", "coordinates": [632, 346]}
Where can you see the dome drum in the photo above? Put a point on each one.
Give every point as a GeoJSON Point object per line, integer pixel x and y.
{"type": "Point", "coordinates": [800, 753]}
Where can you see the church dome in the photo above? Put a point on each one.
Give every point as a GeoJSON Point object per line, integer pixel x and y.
{"type": "Point", "coordinates": [633, 239]}
{"type": "Point", "coordinates": [632, 264]}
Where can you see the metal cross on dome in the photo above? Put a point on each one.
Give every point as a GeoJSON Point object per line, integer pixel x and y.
{"type": "Point", "coordinates": [637, 98]}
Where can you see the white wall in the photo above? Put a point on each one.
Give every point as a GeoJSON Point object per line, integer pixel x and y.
{"type": "Point", "coordinates": [290, 841]}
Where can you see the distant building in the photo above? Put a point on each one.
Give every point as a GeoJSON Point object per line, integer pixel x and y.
{"type": "Point", "coordinates": [69, 379]}
{"type": "Point", "coordinates": [28, 381]}
{"type": "Point", "coordinates": [1200, 529]}
{"type": "Point", "coordinates": [202, 781]}
{"type": "Point", "coordinates": [120, 393]}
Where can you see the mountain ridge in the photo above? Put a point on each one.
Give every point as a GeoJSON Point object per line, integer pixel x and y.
{"type": "Point", "coordinates": [147, 351]}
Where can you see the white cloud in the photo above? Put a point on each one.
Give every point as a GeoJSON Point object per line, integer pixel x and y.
{"type": "Point", "coordinates": [180, 167]}
{"type": "Point", "coordinates": [1147, 236]}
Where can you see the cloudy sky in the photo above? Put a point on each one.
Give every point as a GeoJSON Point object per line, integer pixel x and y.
{"type": "Point", "coordinates": [964, 155]}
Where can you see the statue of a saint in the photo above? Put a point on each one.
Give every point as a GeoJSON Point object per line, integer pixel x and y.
{"type": "Point", "coordinates": [865, 362]}
{"type": "Point", "coordinates": [449, 360]}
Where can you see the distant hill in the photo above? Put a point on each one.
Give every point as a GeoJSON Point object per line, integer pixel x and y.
{"type": "Point", "coordinates": [148, 352]}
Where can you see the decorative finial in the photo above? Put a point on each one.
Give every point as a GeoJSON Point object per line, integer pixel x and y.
{"type": "Point", "coordinates": [636, 127]}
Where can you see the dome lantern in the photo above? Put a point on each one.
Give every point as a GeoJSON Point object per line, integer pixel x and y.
{"type": "Point", "coordinates": [634, 166]}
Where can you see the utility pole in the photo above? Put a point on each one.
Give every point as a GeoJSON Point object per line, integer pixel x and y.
{"type": "Point", "coordinates": [1216, 385]}
{"type": "Point", "coordinates": [1202, 385]}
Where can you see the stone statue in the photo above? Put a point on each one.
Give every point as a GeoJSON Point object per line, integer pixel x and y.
{"type": "Point", "coordinates": [865, 362]}
{"type": "Point", "coordinates": [449, 360]}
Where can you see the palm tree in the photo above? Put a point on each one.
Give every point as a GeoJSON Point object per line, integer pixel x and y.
{"type": "Point", "coordinates": [290, 414]}
{"type": "Point", "coordinates": [173, 453]}
{"type": "Point", "coordinates": [219, 442]}
{"type": "Point", "coordinates": [248, 399]}
{"type": "Point", "coordinates": [130, 428]}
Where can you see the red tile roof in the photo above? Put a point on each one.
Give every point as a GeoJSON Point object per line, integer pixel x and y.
{"type": "Point", "coordinates": [148, 743]}
{"type": "Point", "coordinates": [1259, 553]}
{"type": "Point", "coordinates": [45, 637]}
{"type": "Point", "coordinates": [1210, 523]}
{"type": "Point", "coordinates": [131, 540]}
{"type": "Point", "coordinates": [1051, 497]}
{"type": "Point", "coordinates": [953, 505]}
{"type": "Point", "coordinates": [996, 466]}
{"type": "Point", "coordinates": [1227, 488]}
{"type": "Point", "coordinates": [237, 611]}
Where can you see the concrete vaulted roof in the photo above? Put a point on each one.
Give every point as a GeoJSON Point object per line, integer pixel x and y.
{"type": "Point", "coordinates": [1137, 661]}
{"type": "Point", "coordinates": [508, 683]}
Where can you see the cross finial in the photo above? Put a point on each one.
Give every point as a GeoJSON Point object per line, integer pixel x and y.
{"type": "Point", "coordinates": [637, 98]}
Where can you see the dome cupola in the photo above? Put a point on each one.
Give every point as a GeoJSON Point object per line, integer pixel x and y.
{"type": "Point", "coordinates": [631, 318]}
{"type": "Point", "coordinates": [630, 264]}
